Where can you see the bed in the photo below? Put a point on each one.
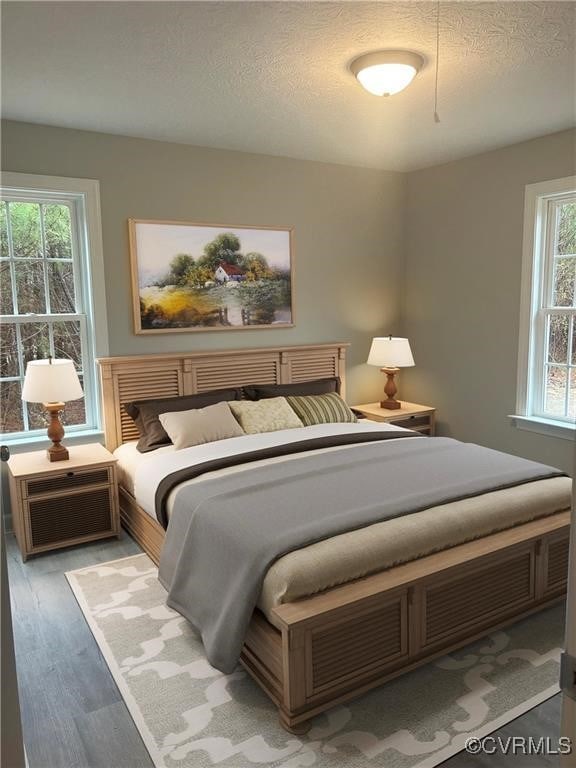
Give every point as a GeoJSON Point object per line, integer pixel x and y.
{"type": "Point", "coordinates": [310, 652]}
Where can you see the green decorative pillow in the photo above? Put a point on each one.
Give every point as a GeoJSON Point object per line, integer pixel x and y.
{"type": "Point", "coordinates": [321, 409]}
{"type": "Point", "coordinates": [264, 415]}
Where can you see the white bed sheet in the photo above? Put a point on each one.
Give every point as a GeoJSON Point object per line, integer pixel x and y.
{"type": "Point", "coordinates": [129, 458]}
{"type": "Point", "coordinates": [140, 473]}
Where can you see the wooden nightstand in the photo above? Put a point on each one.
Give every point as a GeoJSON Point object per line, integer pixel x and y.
{"type": "Point", "coordinates": [411, 415]}
{"type": "Point", "coordinates": [57, 504]}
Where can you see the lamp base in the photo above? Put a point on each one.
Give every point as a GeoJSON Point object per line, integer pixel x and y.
{"type": "Point", "coordinates": [390, 390]}
{"type": "Point", "coordinates": [391, 405]}
{"type": "Point", "coordinates": [57, 453]}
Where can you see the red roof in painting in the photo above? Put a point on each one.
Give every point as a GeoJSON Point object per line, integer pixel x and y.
{"type": "Point", "coordinates": [231, 269]}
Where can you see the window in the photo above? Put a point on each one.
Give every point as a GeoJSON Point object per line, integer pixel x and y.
{"type": "Point", "coordinates": [547, 358]}
{"type": "Point", "coordinates": [50, 261]}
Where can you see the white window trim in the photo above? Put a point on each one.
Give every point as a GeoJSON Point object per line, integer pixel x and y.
{"type": "Point", "coordinates": [530, 294]}
{"type": "Point", "coordinates": [89, 189]}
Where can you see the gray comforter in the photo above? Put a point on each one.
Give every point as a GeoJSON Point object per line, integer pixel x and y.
{"type": "Point", "coordinates": [225, 532]}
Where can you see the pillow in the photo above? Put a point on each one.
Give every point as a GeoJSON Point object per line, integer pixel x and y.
{"type": "Point", "coordinates": [200, 425]}
{"type": "Point", "coordinates": [321, 409]}
{"type": "Point", "coordinates": [265, 415]}
{"type": "Point", "coordinates": [315, 387]}
{"type": "Point", "coordinates": [145, 413]}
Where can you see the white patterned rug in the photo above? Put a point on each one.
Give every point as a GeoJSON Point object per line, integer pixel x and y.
{"type": "Point", "coordinates": [189, 714]}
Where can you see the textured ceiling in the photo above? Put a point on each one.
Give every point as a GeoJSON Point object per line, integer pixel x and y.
{"type": "Point", "coordinates": [272, 77]}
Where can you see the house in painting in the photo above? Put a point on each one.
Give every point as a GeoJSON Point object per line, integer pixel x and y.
{"type": "Point", "coordinates": [228, 273]}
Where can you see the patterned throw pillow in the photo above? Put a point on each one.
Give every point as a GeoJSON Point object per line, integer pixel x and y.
{"type": "Point", "coordinates": [321, 409]}
{"type": "Point", "coordinates": [264, 415]}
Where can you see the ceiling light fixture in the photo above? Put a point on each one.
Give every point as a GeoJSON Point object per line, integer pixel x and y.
{"type": "Point", "coordinates": [385, 73]}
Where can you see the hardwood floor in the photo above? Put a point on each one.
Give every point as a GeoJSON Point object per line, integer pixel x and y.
{"type": "Point", "coordinates": [73, 715]}
{"type": "Point", "coordinates": [72, 712]}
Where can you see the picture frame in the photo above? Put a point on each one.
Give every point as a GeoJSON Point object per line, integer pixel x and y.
{"type": "Point", "coordinates": [191, 277]}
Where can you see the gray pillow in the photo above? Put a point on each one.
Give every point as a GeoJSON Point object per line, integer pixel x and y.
{"type": "Point", "coordinates": [200, 425]}
{"type": "Point", "coordinates": [145, 413]}
{"type": "Point", "coordinates": [314, 387]}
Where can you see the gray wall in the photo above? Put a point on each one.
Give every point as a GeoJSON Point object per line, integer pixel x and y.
{"type": "Point", "coordinates": [347, 222]}
{"type": "Point", "coordinates": [450, 235]}
{"type": "Point", "coordinates": [463, 259]}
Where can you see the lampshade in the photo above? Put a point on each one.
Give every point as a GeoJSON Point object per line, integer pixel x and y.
{"type": "Point", "coordinates": [385, 73]}
{"type": "Point", "coordinates": [51, 381]}
{"type": "Point", "coordinates": [390, 352]}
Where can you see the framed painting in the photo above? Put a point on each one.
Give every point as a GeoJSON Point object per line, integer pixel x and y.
{"type": "Point", "coordinates": [206, 277]}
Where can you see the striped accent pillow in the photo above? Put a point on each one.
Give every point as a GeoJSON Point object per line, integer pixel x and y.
{"type": "Point", "coordinates": [321, 409]}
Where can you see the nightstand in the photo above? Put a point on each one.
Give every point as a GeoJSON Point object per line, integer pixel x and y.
{"type": "Point", "coordinates": [411, 415]}
{"type": "Point", "coordinates": [57, 504]}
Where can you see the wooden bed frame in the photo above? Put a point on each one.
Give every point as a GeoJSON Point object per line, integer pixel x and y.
{"type": "Point", "coordinates": [326, 649]}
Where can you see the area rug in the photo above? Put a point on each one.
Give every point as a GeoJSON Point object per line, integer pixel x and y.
{"type": "Point", "coordinates": [191, 715]}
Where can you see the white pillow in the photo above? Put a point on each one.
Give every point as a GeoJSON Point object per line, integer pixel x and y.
{"type": "Point", "coordinates": [200, 425]}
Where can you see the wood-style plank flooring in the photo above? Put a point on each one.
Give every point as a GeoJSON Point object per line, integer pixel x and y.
{"type": "Point", "coordinates": [73, 714]}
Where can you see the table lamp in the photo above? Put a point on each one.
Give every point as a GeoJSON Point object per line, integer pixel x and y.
{"type": "Point", "coordinates": [390, 354]}
{"type": "Point", "coordinates": [52, 382]}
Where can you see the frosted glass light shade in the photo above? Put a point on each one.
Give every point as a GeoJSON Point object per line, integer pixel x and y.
{"type": "Point", "coordinates": [51, 381]}
{"type": "Point", "coordinates": [390, 352]}
{"type": "Point", "coordinates": [385, 73]}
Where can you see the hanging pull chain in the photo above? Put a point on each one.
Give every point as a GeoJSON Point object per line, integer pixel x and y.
{"type": "Point", "coordinates": [436, 115]}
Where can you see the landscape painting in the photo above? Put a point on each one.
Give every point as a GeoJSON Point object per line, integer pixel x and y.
{"type": "Point", "coordinates": [199, 277]}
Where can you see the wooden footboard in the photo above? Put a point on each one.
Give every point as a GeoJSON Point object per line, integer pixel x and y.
{"type": "Point", "coordinates": [332, 647]}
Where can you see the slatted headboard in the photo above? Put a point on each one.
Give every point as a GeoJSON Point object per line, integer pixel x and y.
{"type": "Point", "coordinates": [142, 377]}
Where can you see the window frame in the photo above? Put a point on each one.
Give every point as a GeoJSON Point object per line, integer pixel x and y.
{"type": "Point", "coordinates": [83, 197]}
{"type": "Point", "coordinates": [537, 273]}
